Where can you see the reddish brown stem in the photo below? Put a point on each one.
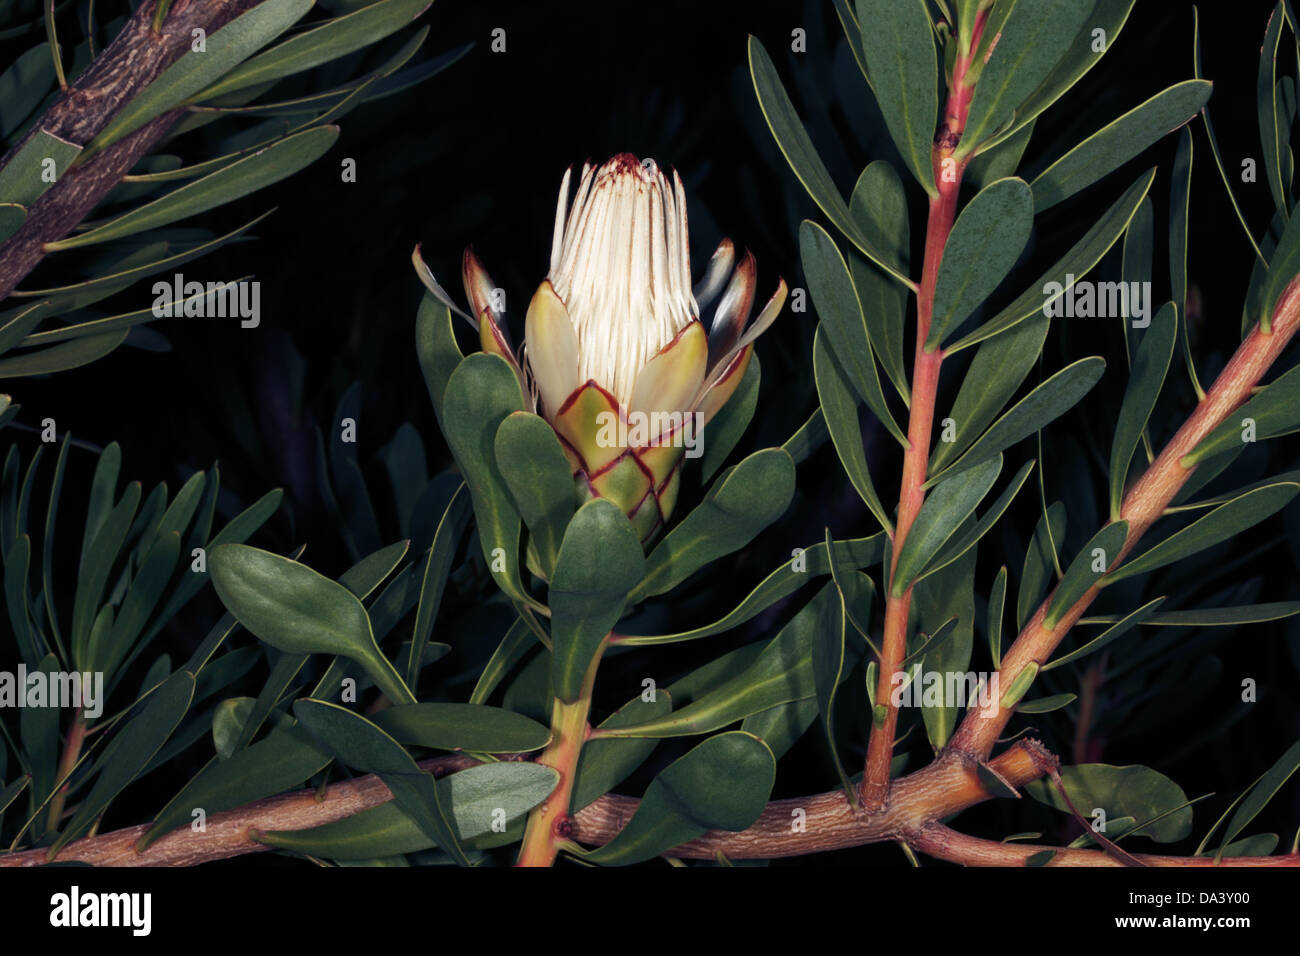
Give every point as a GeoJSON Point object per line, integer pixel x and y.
{"type": "Point", "coordinates": [948, 172]}
{"type": "Point", "coordinates": [938, 841]}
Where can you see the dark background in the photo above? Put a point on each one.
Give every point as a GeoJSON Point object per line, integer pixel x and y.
{"type": "Point", "coordinates": [476, 154]}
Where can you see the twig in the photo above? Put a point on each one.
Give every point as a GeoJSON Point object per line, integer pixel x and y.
{"type": "Point", "coordinates": [1143, 505]}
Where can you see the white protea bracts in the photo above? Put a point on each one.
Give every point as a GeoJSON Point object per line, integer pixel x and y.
{"type": "Point", "coordinates": [615, 357]}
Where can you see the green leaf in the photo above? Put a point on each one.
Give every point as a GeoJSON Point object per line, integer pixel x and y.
{"type": "Point", "coordinates": [362, 745]}
{"type": "Point", "coordinates": [950, 503]}
{"type": "Point", "coordinates": [476, 796]}
{"type": "Point", "coordinates": [840, 408]}
{"type": "Point", "coordinates": [836, 299]}
{"type": "Point", "coordinates": [828, 665]}
{"type": "Point", "coordinates": [997, 602]}
{"type": "Point", "coordinates": [1217, 616]}
{"type": "Point", "coordinates": [298, 611]}
{"type": "Point", "coordinates": [729, 424]}
{"type": "Point", "coordinates": [472, 727]}
{"type": "Point", "coordinates": [1035, 37]}
{"type": "Point", "coordinates": [1260, 794]}
{"type": "Point", "coordinates": [1144, 614]}
{"type": "Point", "coordinates": [261, 169]}
{"type": "Point", "coordinates": [1272, 412]}
{"type": "Point", "coordinates": [605, 763]}
{"type": "Point", "coordinates": [897, 39]}
{"type": "Point", "coordinates": [130, 751]}
{"type": "Point", "coordinates": [540, 480]}
{"type": "Point", "coordinates": [879, 206]}
{"type": "Point", "coordinates": [1119, 141]}
{"type": "Point", "coordinates": [1045, 705]}
{"type": "Point", "coordinates": [1132, 791]}
{"type": "Point", "coordinates": [1147, 376]}
{"type": "Point", "coordinates": [1272, 139]}
{"type": "Point", "coordinates": [97, 562]}
{"type": "Point", "coordinates": [35, 167]}
{"type": "Point", "coordinates": [806, 564]}
{"type": "Point", "coordinates": [12, 217]}
{"type": "Point", "coordinates": [600, 561]}
{"type": "Point", "coordinates": [799, 152]}
{"type": "Point", "coordinates": [223, 50]}
{"type": "Point", "coordinates": [963, 542]}
{"type": "Point", "coordinates": [743, 501]}
{"type": "Point", "coordinates": [1040, 561]}
{"type": "Point", "coordinates": [437, 567]}
{"type": "Point", "coordinates": [1000, 365]}
{"type": "Point", "coordinates": [781, 673]}
{"type": "Point", "coordinates": [435, 345]}
{"type": "Point", "coordinates": [1082, 574]}
{"type": "Point", "coordinates": [945, 605]}
{"type": "Point", "coordinates": [480, 394]}
{"type": "Point", "coordinates": [64, 296]}
{"type": "Point", "coordinates": [60, 358]}
{"type": "Point", "coordinates": [287, 757]}
{"type": "Point", "coordinates": [1081, 55]}
{"type": "Point", "coordinates": [984, 244]}
{"type": "Point", "coordinates": [1220, 524]}
{"type": "Point", "coordinates": [1043, 296]}
{"type": "Point", "coordinates": [1051, 399]}
{"type": "Point", "coordinates": [722, 784]}
{"type": "Point", "coordinates": [331, 40]}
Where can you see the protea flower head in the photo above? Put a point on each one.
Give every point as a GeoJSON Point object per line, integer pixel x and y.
{"type": "Point", "coordinates": [615, 356]}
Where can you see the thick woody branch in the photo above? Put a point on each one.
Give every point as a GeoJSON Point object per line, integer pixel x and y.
{"type": "Point", "coordinates": [134, 58]}
{"type": "Point", "coordinates": [934, 793]}
{"type": "Point", "coordinates": [942, 843]}
{"type": "Point", "coordinates": [227, 834]}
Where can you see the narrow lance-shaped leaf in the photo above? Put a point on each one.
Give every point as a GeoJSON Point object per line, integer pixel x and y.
{"type": "Point", "coordinates": [984, 244]}
{"type": "Point", "coordinates": [950, 503]}
{"type": "Point", "coordinates": [1220, 524]}
{"type": "Point", "coordinates": [1034, 38]}
{"type": "Point", "coordinates": [840, 409]}
{"type": "Point", "coordinates": [1044, 295]}
{"type": "Point", "coordinates": [222, 51]}
{"type": "Point", "coordinates": [1051, 399]}
{"type": "Point", "coordinates": [897, 39]}
{"type": "Point", "coordinates": [1261, 793]}
{"type": "Point", "coordinates": [879, 206]}
{"type": "Point", "coordinates": [1118, 142]}
{"type": "Point", "coordinates": [331, 40]}
{"type": "Point", "coordinates": [261, 169]}
{"type": "Point", "coordinates": [802, 156]}
{"type": "Point", "coordinates": [1147, 376]}
{"type": "Point", "coordinates": [1087, 569]}
{"type": "Point", "coordinates": [836, 299]}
